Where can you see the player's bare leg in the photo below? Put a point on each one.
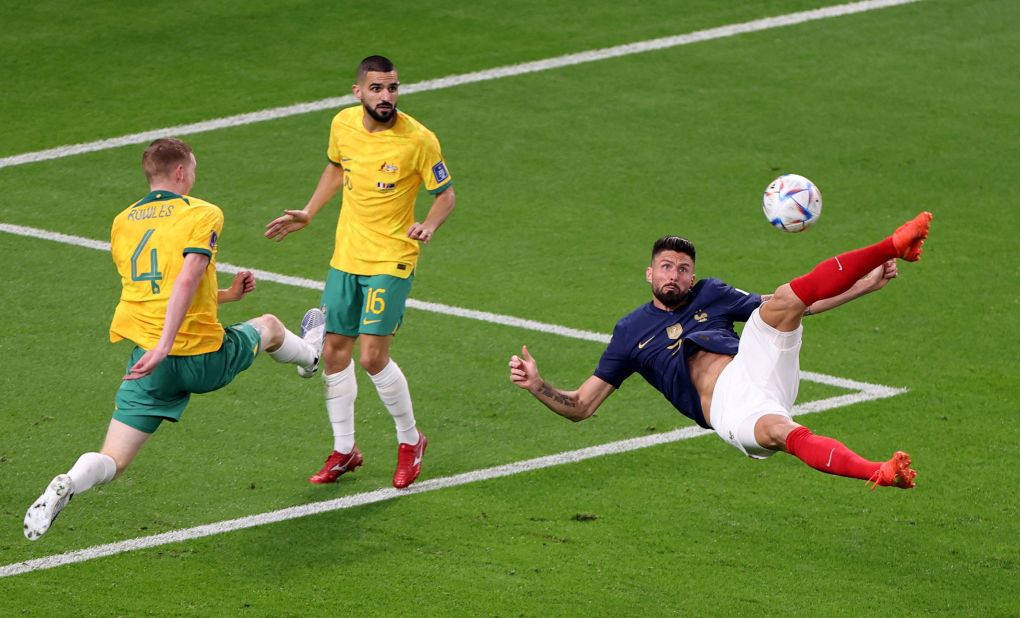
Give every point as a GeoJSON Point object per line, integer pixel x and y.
{"type": "Point", "coordinates": [122, 443]}
{"type": "Point", "coordinates": [784, 311]}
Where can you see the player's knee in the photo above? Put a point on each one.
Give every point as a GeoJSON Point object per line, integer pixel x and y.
{"type": "Point", "coordinates": [772, 430]}
{"type": "Point", "coordinates": [270, 329]}
{"type": "Point", "coordinates": [784, 299]}
{"type": "Point", "coordinates": [373, 361]}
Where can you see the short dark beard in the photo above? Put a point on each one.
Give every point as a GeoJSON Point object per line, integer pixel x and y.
{"type": "Point", "coordinates": [379, 117]}
{"type": "Point", "coordinates": [672, 300]}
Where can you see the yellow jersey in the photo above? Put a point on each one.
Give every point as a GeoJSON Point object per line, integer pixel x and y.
{"type": "Point", "coordinates": [149, 241]}
{"type": "Point", "coordinates": [382, 174]}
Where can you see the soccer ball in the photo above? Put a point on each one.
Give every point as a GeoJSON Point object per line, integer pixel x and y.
{"type": "Point", "coordinates": [792, 203]}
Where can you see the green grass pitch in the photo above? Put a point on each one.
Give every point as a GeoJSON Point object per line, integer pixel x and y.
{"type": "Point", "coordinates": [564, 178]}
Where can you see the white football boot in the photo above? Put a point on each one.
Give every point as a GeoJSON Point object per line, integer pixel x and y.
{"type": "Point", "coordinates": [44, 511]}
{"type": "Point", "coordinates": [313, 331]}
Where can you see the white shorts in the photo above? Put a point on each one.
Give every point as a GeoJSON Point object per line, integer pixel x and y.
{"type": "Point", "coordinates": [762, 378]}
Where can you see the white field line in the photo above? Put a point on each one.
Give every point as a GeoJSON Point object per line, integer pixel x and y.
{"type": "Point", "coordinates": [865, 392]}
{"type": "Point", "coordinates": [451, 81]}
{"type": "Point", "coordinates": [380, 495]}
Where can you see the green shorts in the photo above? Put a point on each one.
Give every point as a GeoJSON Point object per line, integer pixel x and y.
{"type": "Point", "coordinates": [164, 393]}
{"type": "Point", "coordinates": [364, 304]}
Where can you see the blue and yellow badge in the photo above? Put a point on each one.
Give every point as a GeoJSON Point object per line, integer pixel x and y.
{"type": "Point", "coordinates": [212, 240]}
{"type": "Point", "coordinates": [439, 172]}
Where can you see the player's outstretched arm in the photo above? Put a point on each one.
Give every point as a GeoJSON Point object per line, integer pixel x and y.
{"type": "Point", "coordinates": [441, 209]}
{"type": "Point", "coordinates": [243, 284]}
{"type": "Point", "coordinates": [183, 293]}
{"type": "Point", "coordinates": [574, 405]}
{"type": "Point", "coordinates": [871, 282]}
{"type": "Point", "coordinates": [330, 181]}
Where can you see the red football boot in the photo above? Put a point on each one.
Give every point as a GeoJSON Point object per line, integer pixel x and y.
{"type": "Point", "coordinates": [894, 473]}
{"type": "Point", "coordinates": [409, 462]}
{"type": "Point", "coordinates": [909, 237]}
{"type": "Point", "coordinates": [337, 464]}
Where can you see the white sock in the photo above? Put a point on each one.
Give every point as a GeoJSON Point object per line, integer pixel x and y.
{"type": "Point", "coordinates": [391, 385]}
{"type": "Point", "coordinates": [90, 470]}
{"type": "Point", "coordinates": [293, 350]}
{"type": "Point", "coordinates": [341, 391]}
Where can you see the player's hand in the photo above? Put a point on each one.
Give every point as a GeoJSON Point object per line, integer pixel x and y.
{"type": "Point", "coordinates": [146, 364]}
{"type": "Point", "coordinates": [422, 232]}
{"type": "Point", "coordinates": [244, 283]}
{"type": "Point", "coordinates": [524, 370]}
{"type": "Point", "coordinates": [880, 276]}
{"type": "Point", "coordinates": [290, 221]}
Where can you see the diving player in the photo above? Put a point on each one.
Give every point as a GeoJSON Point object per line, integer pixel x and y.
{"type": "Point", "coordinates": [684, 345]}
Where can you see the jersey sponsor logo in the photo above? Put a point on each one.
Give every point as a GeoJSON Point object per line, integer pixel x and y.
{"type": "Point", "coordinates": [389, 168]}
{"type": "Point", "coordinates": [674, 331]}
{"type": "Point", "coordinates": [385, 187]}
{"type": "Point", "coordinates": [641, 346]}
{"type": "Point", "coordinates": [439, 172]}
{"type": "Point", "coordinates": [701, 316]}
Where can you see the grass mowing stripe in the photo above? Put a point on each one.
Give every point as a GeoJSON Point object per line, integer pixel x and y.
{"type": "Point", "coordinates": [872, 391]}
{"type": "Point", "coordinates": [459, 80]}
{"type": "Point", "coordinates": [865, 392]}
{"type": "Point", "coordinates": [380, 495]}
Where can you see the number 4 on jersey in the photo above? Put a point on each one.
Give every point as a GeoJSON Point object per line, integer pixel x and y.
{"type": "Point", "coordinates": [153, 276]}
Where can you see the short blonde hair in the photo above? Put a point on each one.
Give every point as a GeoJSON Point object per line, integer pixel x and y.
{"type": "Point", "coordinates": [163, 156]}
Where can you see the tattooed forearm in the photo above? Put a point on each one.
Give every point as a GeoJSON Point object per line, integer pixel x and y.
{"type": "Point", "coordinates": [550, 393]}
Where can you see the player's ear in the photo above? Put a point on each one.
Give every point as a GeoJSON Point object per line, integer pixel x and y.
{"type": "Point", "coordinates": [648, 274]}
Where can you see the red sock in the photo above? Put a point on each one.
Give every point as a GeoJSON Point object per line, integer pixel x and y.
{"type": "Point", "coordinates": [836, 275]}
{"type": "Point", "coordinates": [829, 455]}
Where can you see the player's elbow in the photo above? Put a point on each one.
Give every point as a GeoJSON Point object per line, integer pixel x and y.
{"type": "Point", "coordinates": [582, 411]}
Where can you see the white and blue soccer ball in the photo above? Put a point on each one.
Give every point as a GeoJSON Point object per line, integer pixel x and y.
{"type": "Point", "coordinates": [792, 203]}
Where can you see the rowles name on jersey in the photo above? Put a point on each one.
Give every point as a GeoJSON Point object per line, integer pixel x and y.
{"type": "Point", "coordinates": [156, 211]}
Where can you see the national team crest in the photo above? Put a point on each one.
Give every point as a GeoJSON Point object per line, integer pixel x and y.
{"type": "Point", "coordinates": [439, 172]}
{"type": "Point", "coordinates": [674, 331]}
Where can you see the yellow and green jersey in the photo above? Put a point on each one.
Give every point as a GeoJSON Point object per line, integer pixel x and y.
{"type": "Point", "coordinates": [149, 241]}
{"type": "Point", "coordinates": [382, 174]}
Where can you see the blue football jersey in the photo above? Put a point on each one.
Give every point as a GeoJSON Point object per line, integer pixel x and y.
{"type": "Point", "coordinates": [656, 343]}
